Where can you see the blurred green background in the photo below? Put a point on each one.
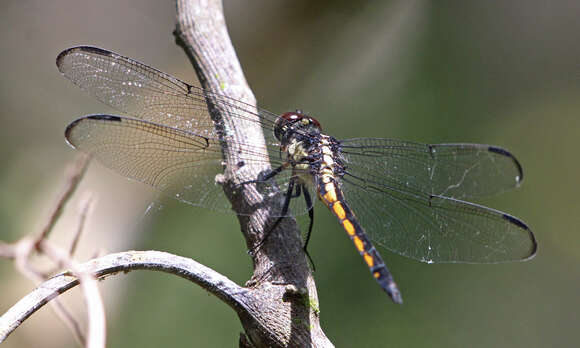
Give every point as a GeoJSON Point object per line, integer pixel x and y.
{"type": "Point", "coordinates": [497, 72]}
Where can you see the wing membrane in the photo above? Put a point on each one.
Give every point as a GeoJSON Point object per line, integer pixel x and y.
{"type": "Point", "coordinates": [452, 170]}
{"type": "Point", "coordinates": [149, 94]}
{"type": "Point", "coordinates": [405, 194]}
{"type": "Point", "coordinates": [178, 163]}
{"type": "Point", "coordinates": [438, 229]}
{"type": "Point", "coordinates": [170, 160]}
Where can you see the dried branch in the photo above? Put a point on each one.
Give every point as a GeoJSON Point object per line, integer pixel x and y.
{"type": "Point", "coordinates": [279, 317]}
{"type": "Point", "coordinates": [25, 247]}
{"type": "Point", "coordinates": [112, 264]}
{"type": "Point", "coordinates": [96, 336]}
{"type": "Point", "coordinates": [22, 250]}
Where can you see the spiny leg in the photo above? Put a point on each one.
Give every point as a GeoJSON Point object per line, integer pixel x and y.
{"type": "Point", "coordinates": [289, 195]}
{"type": "Point", "coordinates": [310, 206]}
{"type": "Point", "coordinates": [298, 191]}
{"type": "Point", "coordinates": [271, 174]}
{"type": "Point", "coordinates": [283, 213]}
{"type": "Point", "coordinates": [264, 177]}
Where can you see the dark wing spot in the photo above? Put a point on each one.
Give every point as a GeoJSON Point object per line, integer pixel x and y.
{"type": "Point", "coordinates": [506, 153]}
{"type": "Point", "coordinates": [73, 124]}
{"type": "Point", "coordinates": [522, 225]}
{"type": "Point", "coordinates": [92, 49]}
{"type": "Point", "coordinates": [89, 49]}
{"type": "Point", "coordinates": [515, 221]}
{"type": "Point", "coordinates": [103, 118]}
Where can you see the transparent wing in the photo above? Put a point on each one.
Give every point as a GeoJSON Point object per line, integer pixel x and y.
{"type": "Point", "coordinates": [452, 170]}
{"type": "Point", "coordinates": [149, 94]}
{"type": "Point", "coordinates": [178, 163]}
{"type": "Point", "coordinates": [170, 160]}
{"type": "Point", "coordinates": [396, 191]}
{"type": "Point", "coordinates": [169, 106]}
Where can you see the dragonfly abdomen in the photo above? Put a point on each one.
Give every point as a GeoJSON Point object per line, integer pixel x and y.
{"type": "Point", "coordinates": [331, 195]}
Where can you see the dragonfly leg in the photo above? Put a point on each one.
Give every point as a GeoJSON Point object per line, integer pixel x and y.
{"type": "Point", "coordinates": [283, 213]}
{"type": "Point", "coordinates": [308, 200]}
{"type": "Point", "coordinates": [272, 173]}
{"type": "Point", "coordinates": [264, 176]}
{"type": "Point", "coordinates": [298, 192]}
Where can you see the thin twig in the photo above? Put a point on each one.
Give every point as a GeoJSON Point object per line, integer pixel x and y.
{"type": "Point", "coordinates": [207, 278]}
{"type": "Point", "coordinates": [23, 249]}
{"type": "Point", "coordinates": [21, 252]}
{"type": "Point", "coordinates": [74, 175]}
{"type": "Point", "coordinates": [96, 336]}
{"type": "Point", "coordinates": [85, 208]}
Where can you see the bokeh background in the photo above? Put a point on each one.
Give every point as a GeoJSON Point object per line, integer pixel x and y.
{"type": "Point", "coordinates": [498, 72]}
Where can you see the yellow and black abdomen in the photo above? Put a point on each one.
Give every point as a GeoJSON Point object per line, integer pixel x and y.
{"type": "Point", "coordinates": [331, 195]}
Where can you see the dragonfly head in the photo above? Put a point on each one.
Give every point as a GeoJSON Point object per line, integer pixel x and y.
{"type": "Point", "coordinates": [289, 122]}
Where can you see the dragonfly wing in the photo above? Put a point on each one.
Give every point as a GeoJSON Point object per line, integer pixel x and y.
{"type": "Point", "coordinates": [178, 163]}
{"type": "Point", "coordinates": [175, 162]}
{"type": "Point", "coordinates": [397, 189]}
{"type": "Point", "coordinates": [452, 170]}
{"type": "Point", "coordinates": [161, 99]}
{"type": "Point", "coordinates": [149, 94]}
{"type": "Point", "coordinates": [436, 229]}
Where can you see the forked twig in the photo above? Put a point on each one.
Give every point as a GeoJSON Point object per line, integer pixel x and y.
{"type": "Point", "coordinates": [25, 247]}
{"type": "Point", "coordinates": [95, 308]}
{"type": "Point", "coordinates": [112, 264]}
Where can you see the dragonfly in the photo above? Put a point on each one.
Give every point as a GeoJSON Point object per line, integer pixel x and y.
{"type": "Point", "coordinates": [408, 198]}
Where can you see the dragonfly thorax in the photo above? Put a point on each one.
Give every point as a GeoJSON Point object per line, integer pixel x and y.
{"type": "Point", "coordinates": [299, 137]}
